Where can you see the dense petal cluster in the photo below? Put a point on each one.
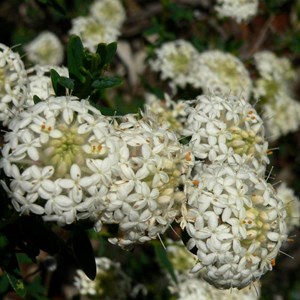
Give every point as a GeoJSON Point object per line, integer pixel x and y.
{"type": "Point", "coordinates": [236, 224]}
{"type": "Point", "coordinates": [39, 80]}
{"type": "Point", "coordinates": [45, 49]}
{"type": "Point", "coordinates": [109, 11]}
{"type": "Point", "coordinates": [292, 205]}
{"type": "Point", "coordinates": [198, 289]}
{"type": "Point", "coordinates": [13, 84]}
{"type": "Point", "coordinates": [226, 129]}
{"type": "Point", "coordinates": [223, 73]}
{"type": "Point", "coordinates": [146, 196]}
{"type": "Point", "coordinates": [102, 25]}
{"type": "Point", "coordinates": [65, 161]}
{"type": "Point", "coordinates": [280, 112]}
{"type": "Point", "coordinates": [177, 62]}
{"type": "Point", "coordinates": [110, 282]}
{"type": "Point", "coordinates": [167, 112]}
{"type": "Point", "coordinates": [92, 32]}
{"type": "Point", "coordinates": [240, 10]}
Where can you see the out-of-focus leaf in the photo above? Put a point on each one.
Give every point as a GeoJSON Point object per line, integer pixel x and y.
{"type": "Point", "coordinates": [106, 82]}
{"type": "Point", "coordinates": [75, 58]}
{"type": "Point", "coordinates": [55, 4]}
{"type": "Point", "coordinates": [84, 253]}
{"type": "Point", "coordinates": [17, 284]}
{"type": "Point", "coordinates": [111, 50]}
{"type": "Point", "coordinates": [164, 261]}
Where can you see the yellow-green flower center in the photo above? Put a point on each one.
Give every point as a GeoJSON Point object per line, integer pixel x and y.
{"type": "Point", "coordinates": [180, 62]}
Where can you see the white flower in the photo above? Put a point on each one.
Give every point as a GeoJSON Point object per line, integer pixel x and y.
{"type": "Point", "coordinates": [45, 49]}
{"type": "Point", "coordinates": [40, 81]}
{"type": "Point", "coordinates": [13, 84]}
{"type": "Point", "coordinates": [233, 229]}
{"type": "Point", "coordinates": [92, 32]}
{"type": "Point", "coordinates": [226, 129]}
{"type": "Point", "coordinates": [177, 61]}
{"type": "Point", "coordinates": [111, 12]}
{"type": "Point", "coordinates": [223, 73]}
{"type": "Point", "coordinates": [167, 112]}
{"type": "Point", "coordinates": [292, 205]}
{"type": "Point", "coordinates": [110, 282]}
{"type": "Point", "coordinates": [280, 111]}
{"type": "Point", "coordinates": [48, 146]}
{"type": "Point", "coordinates": [240, 10]}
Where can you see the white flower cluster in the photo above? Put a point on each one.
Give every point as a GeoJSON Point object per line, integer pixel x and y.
{"type": "Point", "coordinates": [240, 10]}
{"type": "Point", "coordinates": [167, 112]}
{"type": "Point", "coordinates": [178, 62]}
{"type": "Point", "coordinates": [65, 161]}
{"type": "Point", "coordinates": [45, 49]}
{"type": "Point", "coordinates": [192, 286]}
{"type": "Point", "coordinates": [13, 84]}
{"type": "Point", "coordinates": [39, 80]}
{"type": "Point", "coordinates": [223, 73]}
{"type": "Point", "coordinates": [236, 224]}
{"type": "Point", "coordinates": [280, 112]}
{"type": "Point", "coordinates": [213, 71]}
{"type": "Point", "coordinates": [292, 205]}
{"type": "Point", "coordinates": [226, 130]}
{"type": "Point", "coordinates": [111, 283]}
{"type": "Point", "coordinates": [102, 25]}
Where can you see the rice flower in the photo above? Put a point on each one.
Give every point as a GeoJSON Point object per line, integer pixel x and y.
{"type": "Point", "coordinates": [236, 223]}
{"type": "Point", "coordinates": [67, 162]}
{"type": "Point", "coordinates": [240, 10]}
{"type": "Point", "coordinates": [111, 12]}
{"type": "Point", "coordinates": [45, 49]}
{"type": "Point", "coordinates": [272, 88]}
{"type": "Point", "coordinates": [39, 79]}
{"type": "Point", "coordinates": [93, 32]}
{"type": "Point", "coordinates": [292, 205]}
{"type": "Point", "coordinates": [223, 73]}
{"type": "Point", "coordinates": [147, 194]}
{"type": "Point", "coordinates": [110, 283]}
{"type": "Point", "coordinates": [13, 84]}
{"type": "Point", "coordinates": [177, 61]}
{"type": "Point", "coordinates": [226, 129]}
{"type": "Point", "coordinates": [167, 112]}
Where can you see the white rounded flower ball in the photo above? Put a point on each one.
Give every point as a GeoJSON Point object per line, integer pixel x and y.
{"type": "Point", "coordinates": [236, 225]}
{"type": "Point", "coordinates": [13, 84]}
{"type": "Point", "coordinates": [223, 73]}
{"type": "Point", "coordinates": [45, 49]}
{"type": "Point", "coordinates": [226, 129]}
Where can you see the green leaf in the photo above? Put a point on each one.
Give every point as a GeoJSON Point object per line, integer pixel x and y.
{"type": "Point", "coordinates": [36, 99]}
{"type": "Point", "coordinates": [111, 50]}
{"type": "Point", "coordinates": [17, 284]}
{"type": "Point", "coordinates": [35, 232]}
{"type": "Point", "coordinates": [164, 261]}
{"type": "Point", "coordinates": [75, 58]}
{"type": "Point", "coordinates": [55, 4]}
{"type": "Point", "coordinates": [83, 252]}
{"type": "Point", "coordinates": [66, 82]}
{"type": "Point", "coordinates": [106, 82]}
{"type": "Point", "coordinates": [58, 89]}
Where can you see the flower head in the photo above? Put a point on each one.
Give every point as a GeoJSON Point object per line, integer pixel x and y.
{"type": "Point", "coordinates": [240, 10]}
{"type": "Point", "coordinates": [110, 282]}
{"type": "Point", "coordinates": [92, 31]}
{"type": "Point", "coordinates": [13, 84]}
{"type": "Point", "coordinates": [177, 62]}
{"type": "Point", "coordinates": [111, 12]}
{"type": "Point", "coordinates": [236, 223]}
{"type": "Point", "coordinates": [292, 205]}
{"type": "Point", "coordinates": [45, 49]}
{"type": "Point", "coordinates": [223, 73]}
{"type": "Point", "coordinates": [226, 129]}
